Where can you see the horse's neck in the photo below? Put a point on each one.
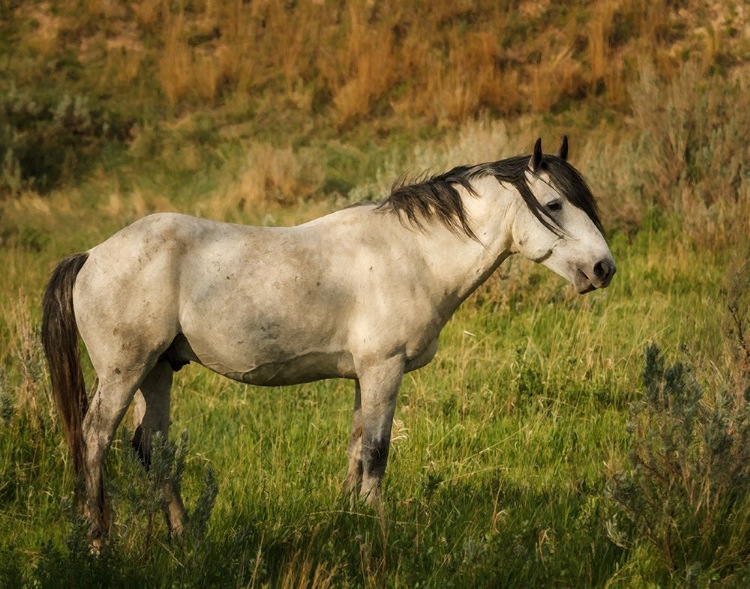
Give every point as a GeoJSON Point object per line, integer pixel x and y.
{"type": "Point", "coordinates": [460, 263]}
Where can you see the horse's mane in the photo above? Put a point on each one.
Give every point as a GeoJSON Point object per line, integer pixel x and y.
{"type": "Point", "coordinates": [438, 196]}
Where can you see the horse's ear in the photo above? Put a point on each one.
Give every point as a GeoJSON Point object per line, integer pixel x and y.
{"type": "Point", "coordinates": [562, 153]}
{"type": "Point", "coordinates": [536, 157]}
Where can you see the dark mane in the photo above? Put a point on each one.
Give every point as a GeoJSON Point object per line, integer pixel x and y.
{"type": "Point", "coordinates": [438, 197]}
{"type": "Point", "coordinates": [434, 197]}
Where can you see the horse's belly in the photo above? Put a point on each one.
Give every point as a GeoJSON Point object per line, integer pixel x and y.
{"type": "Point", "coordinates": [300, 369]}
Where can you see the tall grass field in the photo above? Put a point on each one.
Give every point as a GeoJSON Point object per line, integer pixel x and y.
{"type": "Point", "coordinates": [556, 440]}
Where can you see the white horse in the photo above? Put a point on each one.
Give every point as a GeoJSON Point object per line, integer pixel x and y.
{"type": "Point", "coordinates": [362, 293]}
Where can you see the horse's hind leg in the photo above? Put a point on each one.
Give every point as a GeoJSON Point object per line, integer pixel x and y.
{"type": "Point", "coordinates": [105, 413]}
{"type": "Point", "coordinates": [151, 415]}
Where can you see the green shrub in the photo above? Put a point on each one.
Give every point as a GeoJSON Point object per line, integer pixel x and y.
{"type": "Point", "coordinates": [691, 127]}
{"type": "Point", "coordinates": [687, 490]}
{"type": "Point", "coordinates": [689, 156]}
{"type": "Point", "coordinates": [45, 140]}
{"type": "Point", "coordinates": [686, 493]}
{"type": "Point", "coordinates": [143, 496]}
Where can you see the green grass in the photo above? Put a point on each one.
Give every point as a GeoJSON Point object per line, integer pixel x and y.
{"type": "Point", "coordinates": [501, 455]}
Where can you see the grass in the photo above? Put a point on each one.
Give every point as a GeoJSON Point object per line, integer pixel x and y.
{"type": "Point", "coordinates": [502, 446]}
{"type": "Point", "coordinates": [506, 447]}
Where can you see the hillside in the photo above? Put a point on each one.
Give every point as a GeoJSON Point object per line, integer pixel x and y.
{"type": "Point", "coordinates": [97, 81]}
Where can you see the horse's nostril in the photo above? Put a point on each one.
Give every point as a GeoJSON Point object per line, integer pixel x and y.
{"type": "Point", "coordinates": [601, 269]}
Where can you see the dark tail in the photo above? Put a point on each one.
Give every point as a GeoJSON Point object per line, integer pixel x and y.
{"type": "Point", "coordinates": [60, 341]}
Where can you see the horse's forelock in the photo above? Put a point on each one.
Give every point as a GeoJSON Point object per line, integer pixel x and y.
{"type": "Point", "coordinates": [573, 187]}
{"type": "Point", "coordinates": [513, 171]}
{"type": "Point", "coordinates": [565, 178]}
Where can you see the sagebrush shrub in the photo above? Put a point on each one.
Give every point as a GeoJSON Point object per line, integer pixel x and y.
{"type": "Point", "coordinates": [686, 490]}
{"type": "Point", "coordinates": [690, 155]}
{"type": "Point", "coordinates": [45, 140]}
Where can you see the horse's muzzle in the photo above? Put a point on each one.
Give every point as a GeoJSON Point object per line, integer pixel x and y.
{"type": "Point", "coordinates": [604, 270]}
{"type": "Point", "coordinates": [599, 277]}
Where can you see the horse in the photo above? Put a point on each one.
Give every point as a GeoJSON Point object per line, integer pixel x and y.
{"type": "Point", "coordinates": [362, 294]}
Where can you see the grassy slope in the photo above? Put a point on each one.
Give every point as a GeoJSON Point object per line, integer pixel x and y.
{"type": "Point", "coordinates": [504, 444]}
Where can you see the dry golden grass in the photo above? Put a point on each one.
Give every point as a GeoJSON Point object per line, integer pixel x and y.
{"type": "Point", "coordinates": [477, 141]}
{"type": "Point", "coordinates": [43, 39]}
{"type": "Point", "coordinates": [442, 61]}
{"type": "Point", "coordinates": [718, 225]}
{"type": "Point", "coordinates": [558, 75]}
{"type": "Point", "coordinates": [134, 205]}
{"type": "Point", "coordinates": [439, 63]}
{"type": "Point", "coordinates": [303, 573]}
{"type": "Point", "coordinates": [175, 63]}
{"type": "Point", "coordinates": [24, 349]}
{"type": "Point", "coordinates": [600, 26]}
{"type": "Point", "coordinates": [365, 70]}
{"type": "Point", "coordinates": [273, 176]}
{"type": "Point", "coordinates": [146, 12]}
{"type": "Point", "coordinates": [470, 78]}
{"type": "Point", "coordinates": [124, 64]}
{"type": "Point", "coordinates": [682, 153]}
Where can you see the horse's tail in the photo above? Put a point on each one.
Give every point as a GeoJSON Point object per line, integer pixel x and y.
{"type": "Point", "coordinates": [60, 341]}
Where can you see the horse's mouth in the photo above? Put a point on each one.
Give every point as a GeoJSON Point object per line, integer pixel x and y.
{"type": "Point", "coordinates": [583, 283]}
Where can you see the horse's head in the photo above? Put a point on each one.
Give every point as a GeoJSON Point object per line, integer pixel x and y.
{"type": "Point", "coordinates": [559, 226]}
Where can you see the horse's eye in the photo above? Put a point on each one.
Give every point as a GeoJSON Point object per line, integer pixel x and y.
{"type": "Point", "coordinates": [554, 207]}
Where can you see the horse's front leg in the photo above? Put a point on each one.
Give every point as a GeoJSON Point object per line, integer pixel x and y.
{"type": "Point", "coordinates": [354, 473]}
{"type": "Point", "coordinates": [378, 386]}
